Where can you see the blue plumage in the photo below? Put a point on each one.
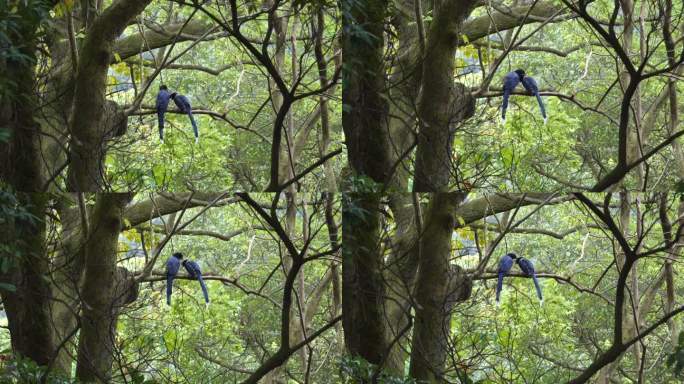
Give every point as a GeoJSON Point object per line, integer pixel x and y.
{"type": "Point", "coordinates": [194, 271]}
{"type": "Point", "coordinates": [511, 81]}
{"type": "Point", "coordinates": [172, 266]}
{"type": "Point", "coordinates": [162, 105]}
{"type": "Point", "coordinates": [531, 86]}
{"type": "Point", "coordinates": [184, 106]}
{"type": "Point", "coordinates": [505, 265]}
{"type": "Point", "coordinates": [528, 269]}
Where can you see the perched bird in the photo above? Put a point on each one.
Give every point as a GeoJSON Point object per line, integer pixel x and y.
{"type": "Point", "coordinates": [532, 88]}
{"type": "Point", "coordinates": [505, 265]}
{"type": "Point", "coordinates": [195, 272]}
{"type": "Point", "coordinates": [172, 266]}
{"type": "Point", "coordinates": [162, 105]}
{"type": "Point", "coordinates": [184, 106]}
{"type": "Point", "coordinates": [511, 81]}
{"type": "Point", "coordinates": [528, 269]}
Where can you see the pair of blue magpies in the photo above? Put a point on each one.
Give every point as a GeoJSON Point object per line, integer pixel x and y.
{"type": "Point", "coordinates": [173, 265]}
{"type": "Point", "coordinates": [505, 265]}
{"type": "Point", "coordinates": [183, 105]}
{"type": "Point", "coordinates": [510, 81]}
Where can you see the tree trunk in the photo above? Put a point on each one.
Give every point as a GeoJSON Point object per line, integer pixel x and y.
{"type": "Point", "coordinates": [364, 115]}
{"type": "Point", "coordinates": [446, 104]}
{"type": "Point", "coordinates": [101, 294]}
{"type": "Point", "coordinates": [28, 306]}
{"type": "Point", "coordinates": [89, 128]}
{"type": "Point", "coordinates": [430, 332]}
{"type": "Point", "coordinates": [363, 289]}
{"type": "Point", "coordinates": [69, 264]}
{"type": "Point", "coordinates": [400, 273]}
{"type": "Point", "coordinates": [20, 165]}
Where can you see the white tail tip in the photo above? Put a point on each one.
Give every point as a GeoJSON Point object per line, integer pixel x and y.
{"type": "Point", "coordinates": [546, 119]}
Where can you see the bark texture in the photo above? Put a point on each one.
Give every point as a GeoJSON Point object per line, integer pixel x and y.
{"type": "Point", "coordinates": [105, 290]}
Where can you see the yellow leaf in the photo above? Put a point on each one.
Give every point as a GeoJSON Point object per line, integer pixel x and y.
{"type": "Point", "coordinates": [461, 221]}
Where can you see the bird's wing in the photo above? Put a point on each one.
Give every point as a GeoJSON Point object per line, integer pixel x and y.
{"type": "Point", "coordinates": [530, 266]}
{"type": "Point", "coordinates": [511, 81]}
{"type": "Point", "coordinates": [189, 269]}
{"type": "Point", "coordinates": [527, 267]}
{"type": "Point", "coordinates": [172, 266]}
{"type": "Point", "coordinates": [505, 264]}
{"type": "Point", "coordinates": [162, 101]}
{"type": "Point", "coordinates": [530, 85]}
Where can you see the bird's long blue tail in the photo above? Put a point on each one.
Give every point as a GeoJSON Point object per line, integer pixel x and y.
{"type": "Point", "coordinates": [204, 288]}
{"type": "Point", "coordinates": [169, 287]}
{"type": "Point", "coordinates": [536, 285]}
{"type": "Point", "coordinates": [160, 117]}
{"type": "Point", "coordinates": [541, 105]}
{"type": "Point", "coordinates": [504, 106]}
{"type": "Point", "coordinates": [499, 285]}
{"type": "Point", "coordinates": [194, 124]}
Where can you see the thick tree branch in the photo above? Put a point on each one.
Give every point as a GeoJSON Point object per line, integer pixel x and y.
{"type": "Point", "coordinates": [150, 39]}
{"type": "Point", "coordinates": [166, 203]}
{"type": "Point", "coordinates": [200, 232]}
{"type": "Point", "coordinates": [482, 207]}
{"type": "Point", "coordinates": [88, 131]}
{"type": "Point", "coordinates": [534, 231]}
{"type": "Point", "coordinates": [528, 48]}
{"type": "Point", "coordinates": [482, 26]}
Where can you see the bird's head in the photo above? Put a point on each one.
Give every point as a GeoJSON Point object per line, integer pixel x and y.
{"type": "Point", "coordinates": [173, 95]}
{"type": "Point", "coordinates": [163, 87]}
{"type": "Point", "coordinates": [520, 73]}
{"type": "Point", "coordinates": [512, 255]}
{"type": "Point", "coordinates": [178, 255]}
